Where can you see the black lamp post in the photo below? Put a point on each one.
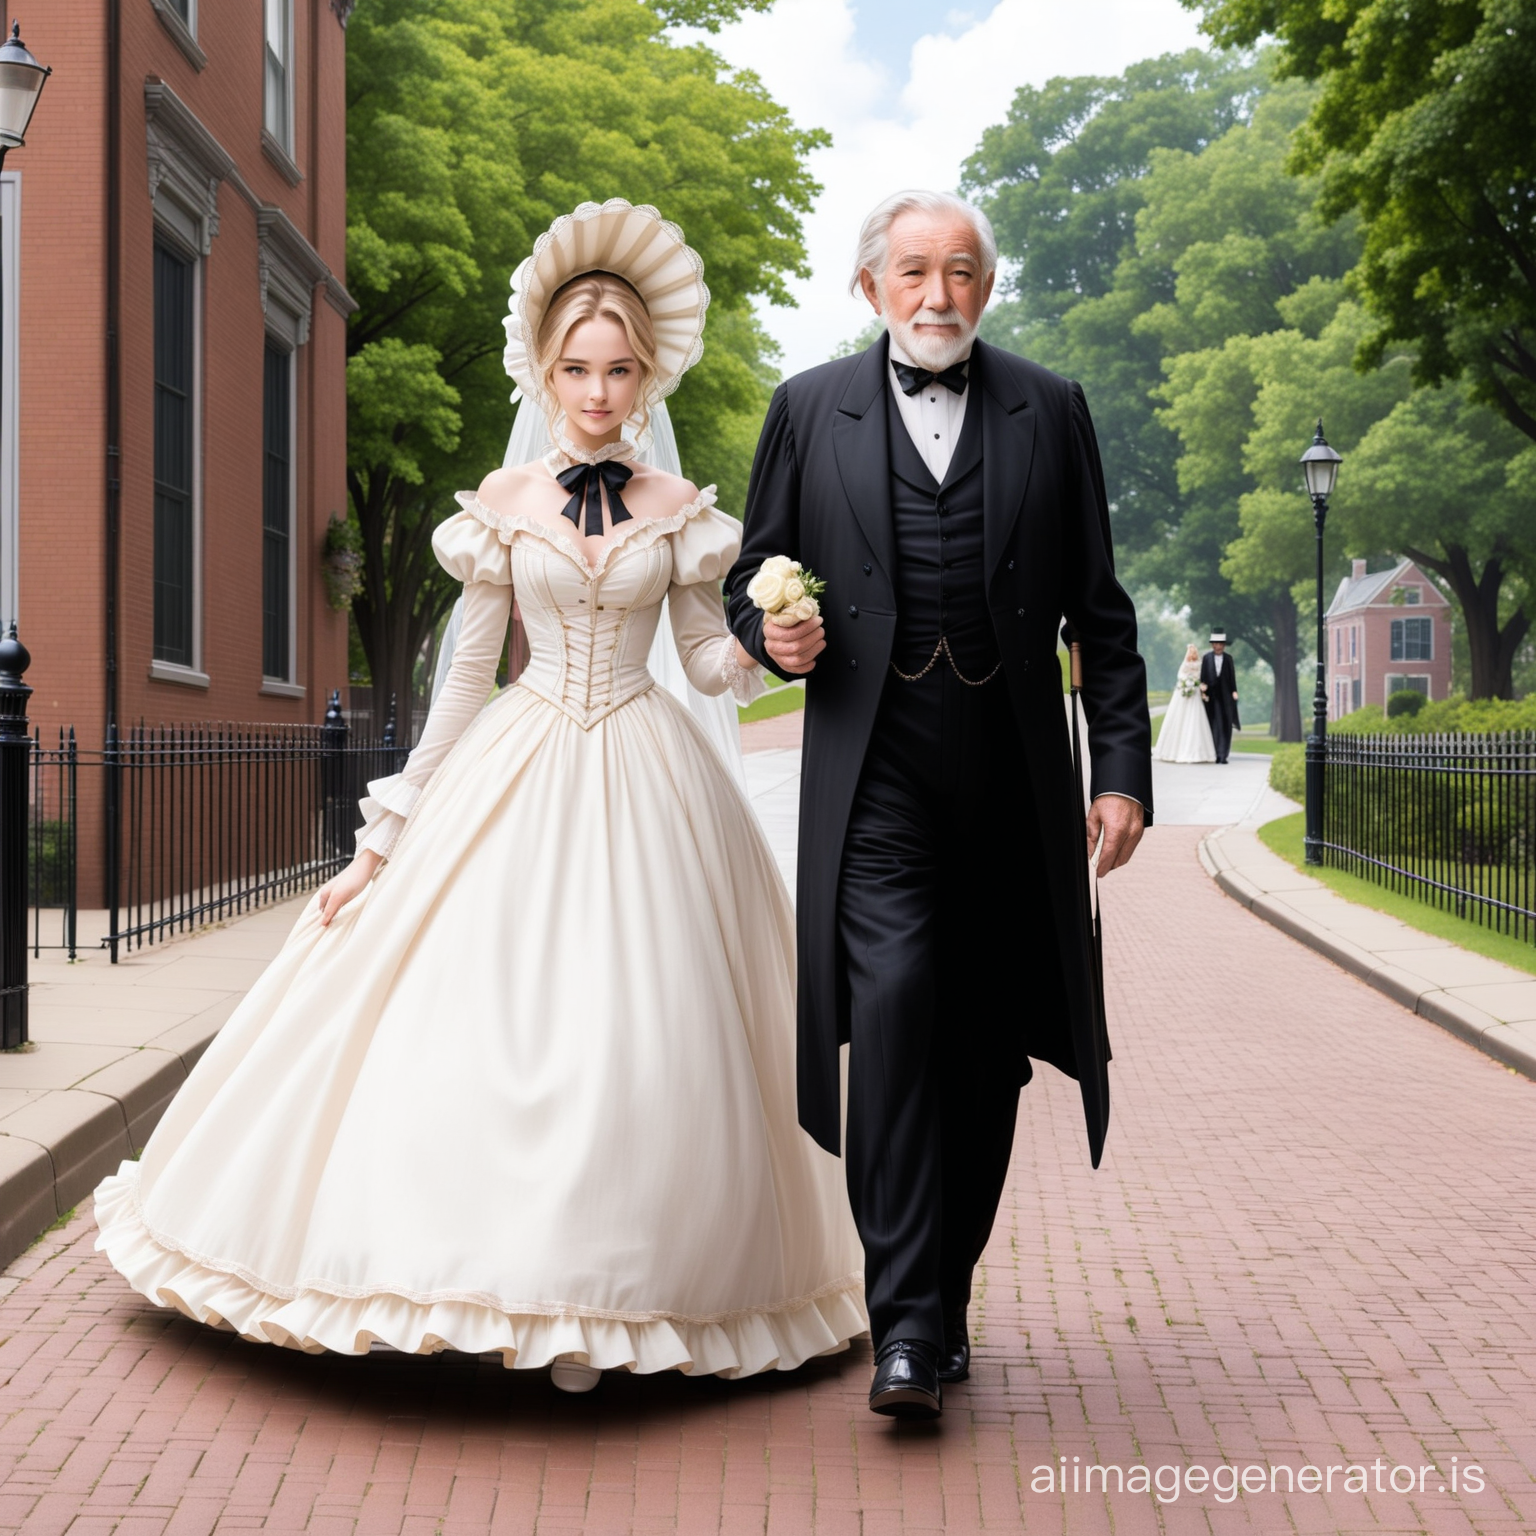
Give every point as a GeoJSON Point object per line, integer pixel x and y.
{"type": "Point", "coordinates": [1320, 466]}
{"type": "Point", "coordinates": [21, 83]}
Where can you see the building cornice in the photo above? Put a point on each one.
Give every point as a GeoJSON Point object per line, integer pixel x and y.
{"type": "Point", "coordinates": [185, 160]}
{"type": "Point", "coordinates": [290, 267]}
{"type": "Point", "coordinates": [187, 163]}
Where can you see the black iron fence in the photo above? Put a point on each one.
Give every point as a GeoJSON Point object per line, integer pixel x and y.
{"type": "Point", "coordinates": [1450, 819]}
{"type": "Point", "coordinates": [196, 823]}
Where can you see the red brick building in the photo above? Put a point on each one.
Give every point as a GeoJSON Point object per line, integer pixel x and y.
{"type": "Point", "coordinates": [172, 381]}
{"type": "Point", "coordinates": [1387, 631]}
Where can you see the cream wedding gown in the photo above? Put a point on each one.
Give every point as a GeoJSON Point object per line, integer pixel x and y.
{"type": "Point", "coordinates": [1186, 733]}
{"type": "Point", "coordinates": [532, 1092]}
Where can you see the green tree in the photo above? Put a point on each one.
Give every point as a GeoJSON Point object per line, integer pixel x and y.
{"type": "Point", "coordinates": [471, 124]}
{"type": "Point", "coordinates": [1063, 180]}
{"type": "Point", "coordinates": [1179, 169]}
{"type": "Point", "coordinates": [1425, 124]}
{"type": "Point", "coordinates": [1446, 481]}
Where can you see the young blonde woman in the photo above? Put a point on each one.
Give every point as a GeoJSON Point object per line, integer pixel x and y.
{"type": "Point", "coordinates": [522, 1079]}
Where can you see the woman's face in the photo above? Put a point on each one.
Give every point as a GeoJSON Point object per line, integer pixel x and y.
{"type": "Point", "coordinates": [596, 379]}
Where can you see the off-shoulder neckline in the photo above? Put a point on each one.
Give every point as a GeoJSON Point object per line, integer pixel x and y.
{"type": "Point", "coordinates": [507, 524]}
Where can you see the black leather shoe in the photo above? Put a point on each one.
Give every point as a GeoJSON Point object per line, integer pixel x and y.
{"type": "Point", "coordinates": [955, 1358]}
{"type": "Point", "coordinates": [906, 1384]}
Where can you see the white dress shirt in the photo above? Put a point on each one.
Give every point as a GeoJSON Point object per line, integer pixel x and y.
{"type": "Point", "coordinates": [1218, 658]}
{"type": "Point", "coordinates": [933, 416]}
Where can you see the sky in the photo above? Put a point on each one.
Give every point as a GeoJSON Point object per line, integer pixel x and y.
{"type": "Point", "coordinates": [905, 89]}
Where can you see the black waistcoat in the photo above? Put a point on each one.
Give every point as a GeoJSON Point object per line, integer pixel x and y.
{"type": "Point", "coordinates": [940, 572]}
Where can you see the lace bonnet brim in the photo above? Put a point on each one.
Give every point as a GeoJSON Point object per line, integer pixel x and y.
{"type": "Point", "coordinates": [633, 242]}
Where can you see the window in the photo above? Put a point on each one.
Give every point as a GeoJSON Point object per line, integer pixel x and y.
{"type": "Point", "coordinates": [1354, 635]}
{"type": "Point", "coordinates": [1413, 640]}
{"type": "Point", "coordinates": [183, 8]}
{"type": "Point", "coordinates": [1412, 596]}
{"type": "Point", "coordinates": [277, 515]}
{"type": "Point", "coordinates": [1398, 682]}
{"type": "Point", "coordinates": [279, 102]}
{"type": "Point", "coordinates": [1355, 690]}
{"type": "Point", "coordinates": [175, 531]}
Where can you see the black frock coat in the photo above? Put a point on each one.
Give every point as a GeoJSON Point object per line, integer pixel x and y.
{"type": "Point", "coordinates": [820, 493]}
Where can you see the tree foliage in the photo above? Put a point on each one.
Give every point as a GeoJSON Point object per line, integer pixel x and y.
{"type": "Point", "coordinates": [1212, 236]}
{"type": "Point", "coordinates": [471, 125]}
{"type": "Point", "coordinates": [1425, 123]}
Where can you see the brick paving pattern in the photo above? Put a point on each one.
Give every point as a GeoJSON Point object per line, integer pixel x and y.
{"type": "Point", "coordinates": [1311, 1242]}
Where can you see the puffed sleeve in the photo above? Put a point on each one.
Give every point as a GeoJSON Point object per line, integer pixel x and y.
{"type": "Point", "coordinates": [702, 552]}
{"type": "Point", "coordinates": [475, 553]}
{"type": "Point", "coordinates": [470, 549]}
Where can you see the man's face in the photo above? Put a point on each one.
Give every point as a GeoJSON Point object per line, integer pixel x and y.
{"type": "Point", "coordinates": [1219, 646]}
{"type": "Point", "coordinates": [932, 291]}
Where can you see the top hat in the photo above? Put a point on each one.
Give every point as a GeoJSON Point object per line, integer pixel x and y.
{"type": "Point", "coordinates": [1218, 637]}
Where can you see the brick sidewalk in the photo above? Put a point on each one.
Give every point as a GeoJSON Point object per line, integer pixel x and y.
{"type": "Point", "coordinates": [1311, 1242]}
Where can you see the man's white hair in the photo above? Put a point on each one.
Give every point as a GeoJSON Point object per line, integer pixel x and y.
{"type": "Point", "coordinates": [875, 236]}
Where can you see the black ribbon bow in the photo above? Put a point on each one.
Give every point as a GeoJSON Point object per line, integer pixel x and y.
{"type": "Point", "coordinates": [913, 379]}
{"type": "Point", "coordinates": [587, 480]}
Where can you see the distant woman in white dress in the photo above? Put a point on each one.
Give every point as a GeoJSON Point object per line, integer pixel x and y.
{"type": "Point", "coordinates": [522, 1078]}
{"type": "Point", "coordinates": [1186, 733]}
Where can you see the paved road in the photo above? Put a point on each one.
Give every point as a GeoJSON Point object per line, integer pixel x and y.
{"type": "Point", "coordinates": [1311, 1244]}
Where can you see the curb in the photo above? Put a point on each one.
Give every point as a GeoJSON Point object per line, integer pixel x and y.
{"type": "Point", "coordinates": [55, 1150]}
{"type": "Point", "coordinates": [1488, 1034]}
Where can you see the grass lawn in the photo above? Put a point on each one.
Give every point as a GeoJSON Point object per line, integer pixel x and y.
{"type": "Point", "coordinates": [1284, 837]}
{"type": "Point", "coordinates": [780, 699]}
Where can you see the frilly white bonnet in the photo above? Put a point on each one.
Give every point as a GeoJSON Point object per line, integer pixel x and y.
{"type": "Point", "coordinates": [632, 242]}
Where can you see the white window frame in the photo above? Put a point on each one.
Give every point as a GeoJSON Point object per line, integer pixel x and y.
{"type": "Point", "coordinates": [282, 331]}
{"type": "Point", "coordinates": [281, 133]}
{"type": "Point", "coordinates": [181, 229]}
{"type": "Point", "coordinates": [10, 400]}
{"type": "Point", "coordinates": [1399, 682]}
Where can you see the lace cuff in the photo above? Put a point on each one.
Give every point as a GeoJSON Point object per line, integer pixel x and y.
{"type": "Point", "coordinates": [745, 683]}
{"type": "Point", "coordinates": [384, 808]}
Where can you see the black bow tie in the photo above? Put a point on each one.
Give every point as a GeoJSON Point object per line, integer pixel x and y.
{"type": "Point", "coordinates": [586, 480]}
{"type": "Point", "coordinates": [913, 379]}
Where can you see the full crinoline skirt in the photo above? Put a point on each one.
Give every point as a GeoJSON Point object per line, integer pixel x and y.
{"type": "Point", "coordinates": [532, 1093]}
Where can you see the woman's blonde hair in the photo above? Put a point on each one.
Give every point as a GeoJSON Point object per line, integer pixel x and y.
{"type": "Point", "coordinates": [592, 296]}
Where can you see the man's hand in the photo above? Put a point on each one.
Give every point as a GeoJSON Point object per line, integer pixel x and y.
{"type": "Point", "coordinates": [1122, 821]}
{"type": "Point", "coordinates": [794, 647]}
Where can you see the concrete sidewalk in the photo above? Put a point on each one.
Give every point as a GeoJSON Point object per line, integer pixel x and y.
{"type": "Point", "coordinates": [1489, 1005]}
{"type": "Point", "coordinates": [111, 1044]}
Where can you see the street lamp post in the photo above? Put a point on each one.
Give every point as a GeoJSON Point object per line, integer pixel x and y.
{"type": "Point", "coordinates": [21, 83]}
{"type": "Point", "coordinates": [1320, 466]}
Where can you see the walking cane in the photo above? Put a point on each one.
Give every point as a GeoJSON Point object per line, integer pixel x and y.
{"type": "Point", "coordinates": [1095, 912]}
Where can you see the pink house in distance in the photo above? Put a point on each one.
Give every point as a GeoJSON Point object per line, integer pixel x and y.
{"type": "Point", "coordinates": [1387, 631]}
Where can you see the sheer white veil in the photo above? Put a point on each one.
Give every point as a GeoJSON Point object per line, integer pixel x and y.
{"type": "Point", "coordinates": [715, 716]}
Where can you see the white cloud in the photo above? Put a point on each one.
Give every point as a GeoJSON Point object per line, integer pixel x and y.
{"type": "Point", "coordinates": [915, 132]}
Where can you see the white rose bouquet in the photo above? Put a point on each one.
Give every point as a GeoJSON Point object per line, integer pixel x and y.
{"type": "Point", "coordinates": [1189, 687]}
{"type": "Point", "coordinates": [785, 591]}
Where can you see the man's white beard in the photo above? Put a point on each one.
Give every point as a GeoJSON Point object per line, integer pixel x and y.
{"type": "Point", "coordinates": [927, 348]}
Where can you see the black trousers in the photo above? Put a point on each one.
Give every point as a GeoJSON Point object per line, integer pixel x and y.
{"type": "Point", "coordinates": [942, 908]}
{"type": "Point", "coordinates": [1221, 731]}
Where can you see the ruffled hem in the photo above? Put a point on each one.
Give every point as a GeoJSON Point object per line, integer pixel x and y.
{"type": "Point", "coordinates": [742, 1344]}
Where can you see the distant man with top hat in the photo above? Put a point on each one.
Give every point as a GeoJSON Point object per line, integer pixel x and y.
{"type": "Point", "coordinates": [1218, 690]}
